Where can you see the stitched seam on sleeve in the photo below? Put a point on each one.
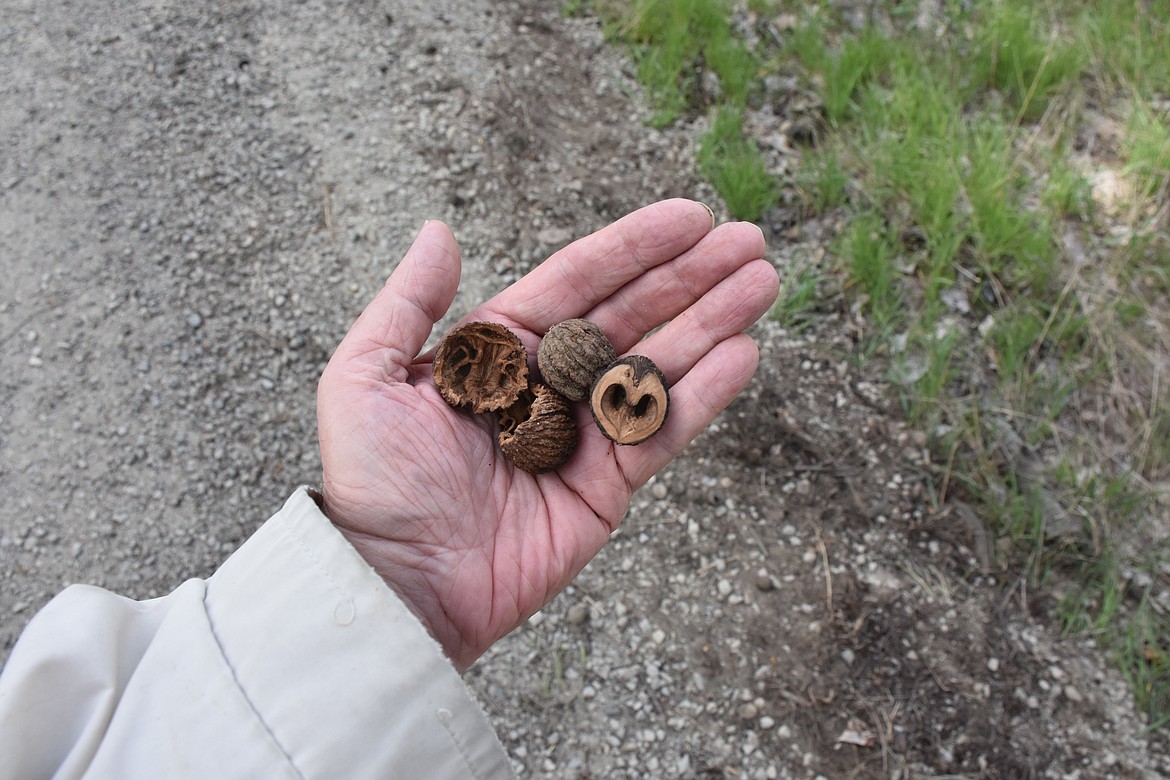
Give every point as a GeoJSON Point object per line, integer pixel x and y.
{"type": "Point", "coordinates": [312, 556]}
{"type": "Point", "coordinates": [244, 695]}
{"type": "Point", "coordinates": [459, 743]}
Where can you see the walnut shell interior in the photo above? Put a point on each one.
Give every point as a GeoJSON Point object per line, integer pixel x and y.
{"type": "Point", "coordinates": [630, 400]}
{"type": "Point", "coordinates": [481, 364]}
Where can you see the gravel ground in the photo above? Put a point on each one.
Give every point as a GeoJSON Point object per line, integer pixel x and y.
{"type": "Point", "coordinates": [197, 199]}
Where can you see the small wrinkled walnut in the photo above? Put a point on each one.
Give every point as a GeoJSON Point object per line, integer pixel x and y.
{"type": "Point", "coordinates": [571, 356]}
{"type": "Point", "coordinates": [537, 432]}
{"type": "Point", "coordinates": [630, 400]}
{"type": "Point", "coordinates": [481, 364]}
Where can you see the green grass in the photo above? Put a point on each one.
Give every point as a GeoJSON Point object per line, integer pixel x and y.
{"type": "Point", "coordinates": [870, 253]}
{"type": "Point", "coordinates": [1067, 193]}
{"type": "Point", "coordinates": [1147, 150]}
{"type": "Point", "coordinates": [673, 42]}
{"type": "Point", "coordinates": [822, 180]}
{"type": "Point", "coordinates": [797, 299]}
{"type": "Point", "coordinates": [966, 164]}
{"type": "Point", "coordinates": [941, 142]}
{"type": "Point", "coordinates": [1019, 53]}
{"type": "Point", "coordinates": [734, 164]}
{"type": "Point", "coordinates": [1128, 44]}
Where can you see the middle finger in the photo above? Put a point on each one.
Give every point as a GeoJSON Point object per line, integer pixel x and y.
{"type": "Point", "coordinates": [667, 290]}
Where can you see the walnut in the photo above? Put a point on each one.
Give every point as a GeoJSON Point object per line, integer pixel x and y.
{"type": "Point", "coordinates": [630, 400]}
{"type": "Point", "coordinates": [537, 432]}
{"type": "Point", "coordinates": [571, 355]}
{"type": "Point", "coordinates": [482, 364]}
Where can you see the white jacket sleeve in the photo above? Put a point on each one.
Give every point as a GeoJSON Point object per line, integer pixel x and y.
{"type": "Point", "coordinates": [294, 660]}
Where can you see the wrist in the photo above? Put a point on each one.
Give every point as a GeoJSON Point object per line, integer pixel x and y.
{"type": "Point", "coordinates": [406, 578]}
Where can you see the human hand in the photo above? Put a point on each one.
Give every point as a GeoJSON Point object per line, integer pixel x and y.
{"type": "Point", "coordinates": [473, 545]}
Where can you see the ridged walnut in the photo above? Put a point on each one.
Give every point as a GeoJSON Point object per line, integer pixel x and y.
{"type": "Point", "coordinates": [572, 355]}
{"type": "Point", "coordinates": [481, 364]}
{"type": "Point", "coordinates": [537, 432]}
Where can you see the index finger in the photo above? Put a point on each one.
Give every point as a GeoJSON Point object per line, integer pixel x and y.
{"type": "Point", "coordinates": [586, 272]}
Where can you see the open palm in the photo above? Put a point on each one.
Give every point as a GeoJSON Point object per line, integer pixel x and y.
{"type": "Point", "coordinates": [473, 545]}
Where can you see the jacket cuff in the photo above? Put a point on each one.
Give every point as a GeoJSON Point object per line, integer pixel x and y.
{"type": "Point", "coordinates": [325, 651]}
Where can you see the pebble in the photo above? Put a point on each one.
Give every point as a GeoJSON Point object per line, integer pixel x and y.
{"type": "Point", "coordinates": [766, 722]}
{"type": "Point", "coordinates": [658, 490]}
{"type": "Point", "coordinates": [763, 581]}
{"type": "Point", "coordinates": [578, 614]}
{"type": "Point", "coordinates": [993, 665]}
{"type": "Point", "coordinates": [748, 711]}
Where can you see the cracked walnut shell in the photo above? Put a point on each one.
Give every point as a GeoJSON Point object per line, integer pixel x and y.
{"type": "Point", "coordinates": [481, 364]}
{"type": "Point", "coordinates": [630, 400]}
{"type": "Point", "coordinates": [571, 356]}
{"type": "Point", "coordinates": [537, 432]}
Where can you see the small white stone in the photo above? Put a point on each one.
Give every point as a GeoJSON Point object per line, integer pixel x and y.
{"type": "Point", "coordinates": [993, 665]}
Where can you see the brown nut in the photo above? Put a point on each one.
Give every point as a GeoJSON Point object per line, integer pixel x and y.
{"type": "Point", "coordinates": [630, 400]}
{"type": "Point", "coordinates": [571, 355]}
{"type": "Point", "coordinates": [537, 433]}
{"type": "Point", "coordinates": [482, 364]}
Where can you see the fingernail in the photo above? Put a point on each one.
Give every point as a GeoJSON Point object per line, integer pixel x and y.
{"type": "Point", "coordinates": [709, 211]}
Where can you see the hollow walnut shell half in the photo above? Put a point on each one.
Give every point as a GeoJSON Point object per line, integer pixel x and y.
{"type": "Point", "coordinates": [572, 355]}
{"type": "Point", "coordinates": [537, 432]}
{"type": "Point", "coordinates": [630, 400]}
{"type": "Point", "coordinates": [481, 364]}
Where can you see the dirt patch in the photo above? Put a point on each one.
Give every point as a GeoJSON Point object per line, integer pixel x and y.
{"type": "Point", "coordinates": [196, 204]}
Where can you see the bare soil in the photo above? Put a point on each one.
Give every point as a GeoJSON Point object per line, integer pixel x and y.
{"type": "Point", "coordinates": [196, 200]}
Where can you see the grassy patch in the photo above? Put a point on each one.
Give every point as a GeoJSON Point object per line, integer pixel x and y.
{"type": "Point", "coordinates": [1020, 53]}
{"type": "Point", "coordinates": [823, 182]}
{"type": "Point", "coordinates": [959, 148]}
{"type": "Point", "coordinates": [734, 164]}
{"type": "Point", "coordinates": [798, 297]}
{"type": "Point", "coordinates": [1001, 176]}
{"type": "Point", "coordinates": [1147, 151]}
{"type": "Point", "coordinates": [674, 42]}
{"type": "Point", "coordinates": [689, 59]}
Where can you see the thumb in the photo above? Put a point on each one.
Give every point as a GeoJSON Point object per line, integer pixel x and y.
{"type": "Point", "coordinates": [395, 325]}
